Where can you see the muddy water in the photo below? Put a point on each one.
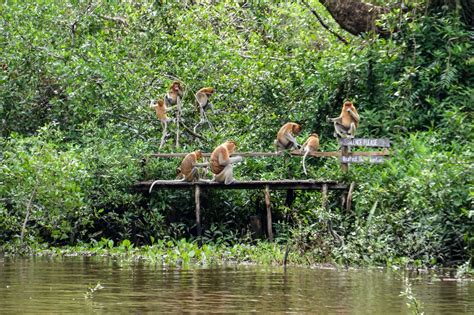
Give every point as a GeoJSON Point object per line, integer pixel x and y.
{"type": "Point", "coordinates": [63, 285]}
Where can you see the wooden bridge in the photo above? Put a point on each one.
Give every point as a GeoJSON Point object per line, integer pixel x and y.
{"type": "Point", "coordinates": [344, 155]}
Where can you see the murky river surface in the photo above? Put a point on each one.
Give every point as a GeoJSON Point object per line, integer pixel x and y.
{"type": "Point", "coordinates": [62, 285]}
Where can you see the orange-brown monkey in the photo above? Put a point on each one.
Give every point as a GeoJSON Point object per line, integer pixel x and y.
{"type": "Point", "coordinates": [221, 162]}
{"type": "Point", "coordinates": [311, 145]}
{"type": "Point", "coordinates": [346, 124]}
{"type": "Point", "coordinates": [188, 170]}
{"type": "Point", "coordinates": [161, 109]}
{"type": "Point", "coordinates": [202, 103]}
{"type": "Point", "coordinates": [202, 99]}
{"type": "Point", "coordinates": [175, 91]}
{"type": "Point", "coordinates": [286, 136]}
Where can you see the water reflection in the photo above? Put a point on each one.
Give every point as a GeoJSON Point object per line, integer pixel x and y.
{"type": "Point", "coordinates": [47, 285]}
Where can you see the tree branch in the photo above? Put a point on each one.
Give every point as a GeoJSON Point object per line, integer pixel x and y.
{"type": "Point", "coordinates": [324, 24]}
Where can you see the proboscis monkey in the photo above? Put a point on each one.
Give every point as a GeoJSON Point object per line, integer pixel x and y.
{"type": "Point", "coordinates": [202, 103]}
{"type": "Point", "coordinates": [161, 109]}
{"type": "Point", "coordinates": [173, 97]}
{"type": "Point", "coordinates": [175, 91]}
{"type": "Point", "coordinates": [286, 136]}
{"type": "Point", "coordinates": [221, 162]}
{"type": "Point", "coordinates": [188, 170]}
{"type": "Point", "coordinates": [202, 99]}
{"type": "Point", "coordinates": [346, 124]}
{"type": "Point", "coordinates": [311, 145]}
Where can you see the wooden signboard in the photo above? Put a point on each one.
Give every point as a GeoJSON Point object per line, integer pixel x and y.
{"type": "Point", "coordinates": [362, 159]}
{"type": "Point", "coordinates": [369, 157]}
{"type": "Point", "coordinates": [363, 142]}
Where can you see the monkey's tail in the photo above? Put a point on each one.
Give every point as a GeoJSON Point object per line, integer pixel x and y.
{"type": "Point", "coordinates": [152, 184]}
{"type": "Point", "coordinates": [306, 151]}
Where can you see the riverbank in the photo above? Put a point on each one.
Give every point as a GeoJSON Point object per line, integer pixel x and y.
{"type": "Point", "coordinates": [188, 254]}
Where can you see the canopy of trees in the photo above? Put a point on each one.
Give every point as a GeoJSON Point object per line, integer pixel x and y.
{"type": "Point", "coordinates": [76, 83]}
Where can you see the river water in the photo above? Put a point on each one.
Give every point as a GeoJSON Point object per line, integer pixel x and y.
{"type": "Point", "coordinates": [66, 285]}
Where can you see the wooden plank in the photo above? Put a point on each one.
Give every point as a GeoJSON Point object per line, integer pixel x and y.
{"type": "Point", "coordinates": [272, 184]}
{"type": "Point", "coordinates": [364, 142]}
{"type": "Point", "coordinates": [204, 154]}
{"type": "Point", "coordinates": [269, 213]}
{"type": "Point", "coordinates": [362, 159]}
{"type": "Point", "coordinates": [273, 154]}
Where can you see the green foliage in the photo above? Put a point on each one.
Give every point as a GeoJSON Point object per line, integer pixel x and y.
{"type": "Point", "coordinates": [76, 81]}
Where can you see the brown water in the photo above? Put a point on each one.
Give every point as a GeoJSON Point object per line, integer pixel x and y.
{"type": "Point", "coordinates": [46, 286]}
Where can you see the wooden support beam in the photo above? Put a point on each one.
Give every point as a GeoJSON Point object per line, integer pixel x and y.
{"type": "Point", "coordinates": [324, 192]}
{"type": "Point", "coordinates": [349, 197]}
{"type": "Point", "coordinates": [344, 153]}
{"type": "Point", "coordinates": [197, 200]}
{"type": "Point", "coordinates": [272, 184]}
{"type": "Point", "coordinates": [385, 152]}
{"type": "Point", "coordinates": [269, 213]}
{"type": "Point", "coordinates": [324, 202]}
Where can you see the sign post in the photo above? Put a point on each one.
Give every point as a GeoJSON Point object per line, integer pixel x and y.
{"type": "Point", "coordinates": [362, 157]}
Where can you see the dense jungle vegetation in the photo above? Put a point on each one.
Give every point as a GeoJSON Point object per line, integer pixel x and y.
{"type": "Point", "coordinates": [76, 81]}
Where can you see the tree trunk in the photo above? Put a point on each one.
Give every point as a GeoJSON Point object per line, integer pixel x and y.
{"type": "Point", "coordinates": [355, 16]}
{"type": "Point", "coordinates": [358, 17]}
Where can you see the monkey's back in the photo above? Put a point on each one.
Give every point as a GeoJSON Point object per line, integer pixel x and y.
{"type": "Point", "coordinates": [216, 168]}
{"type": "Point", "coordinates": [187, 164]}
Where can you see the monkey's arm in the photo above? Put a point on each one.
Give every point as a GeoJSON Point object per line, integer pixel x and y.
{"type": "Point", "coordinates": [225, 162]}
{"type": "Point", "coordinates": [206, 164]}
{"type": "Point", "coordinates": [354, 115]}
{"type": "Point", "coordinates": [291, 139]}
{"type": "Point", "coordinates": [336, 119]}
{"type": "Point", "coordinates": [236, 159]}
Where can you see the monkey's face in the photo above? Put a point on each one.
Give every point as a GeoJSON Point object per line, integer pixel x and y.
{"type": "Point", "coordinates": [209, 91]}
{"type": "Point", "coordinates": [160, 103]}
{"type": "Point", "coordinates": [198, 154]}
{"type": "Point", "coordinates": [176, 87]}
{"type": "Point", "coordinates": [230, 145]}
{"type": "Point", "coordinates": [348, 105]}
{"type": "Point", "coordinates": [296, 129]}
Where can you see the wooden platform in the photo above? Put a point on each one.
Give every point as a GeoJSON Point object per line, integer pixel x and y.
{"type": "Point", "coordinates": [322, 185]}
{"type": "Point", "coordinates": [259, 184]}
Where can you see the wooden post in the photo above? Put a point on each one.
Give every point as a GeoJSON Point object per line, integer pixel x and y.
{"type": "Point", "coordinates": [349, 197]}
{"type": "Point", "coordinates": [197, 193]}
{"type": "Point", "coordinates": [344, 152]}
{"type": "Point", "coordinates": [324, 192]}
{"type": "Point", "coordinates": [324, 201]}
{"type": "Point", "coordinates": [269, 213]}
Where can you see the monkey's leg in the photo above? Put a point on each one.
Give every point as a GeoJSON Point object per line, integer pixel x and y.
{"type": "Point", "coordinates": [352, 130]}
{"type": "Point", "coordinates": [223, 176]}
{"type": "Point", "coordinates": [207, 120]}
{"type": "Point", "coordinates": [279, 146]}
{"type": "Point", "coordinates": [193, 175]}
{"type": "Point", "coordinates": [196, 126]}
{"type": "Point", "coordinates": [340, 130]}
{"type": "Point", "coordinates": [229, 176]}
{"type": "Point", "coordinates": [164, 124]}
